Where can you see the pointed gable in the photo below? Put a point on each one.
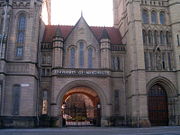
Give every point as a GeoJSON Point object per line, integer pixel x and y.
{"type": "Point", "coordinates": [50, 30]}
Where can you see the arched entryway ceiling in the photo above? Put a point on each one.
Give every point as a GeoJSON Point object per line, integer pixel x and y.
{"type": "Point", "coordinates": [95, 89]}
{"type": "Point", "coordinates": [164, 82]}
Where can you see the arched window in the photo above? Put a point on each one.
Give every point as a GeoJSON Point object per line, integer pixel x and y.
{"type": "Point", "coordinates": [150, 37]}
{"type": "Point", "coordinates": [144, 37]}
{"type": "Point", "coordinates": [90, 58]}
{"type": "Point", "coordinates": [155, 37]}
{"type": "Point", "coordinates": [162, 17]}
{"type": "Point", "coordinates": [81, 54]}
{"type": "Point", "coordinates": [162, 38]}
{"type": "Point", "coordinates": [21, 28]}
{"type": "Point", "coordinates": [145, 16]}
{"type": "Point", "coordinates": [153, 17]}
{"type": "Point", "coordinates": [72, 57]}
{"type": "Point", "coordinates": [16, 99]}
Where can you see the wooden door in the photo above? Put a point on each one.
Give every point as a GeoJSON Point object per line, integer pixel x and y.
{"type": "Point", "coordinates": [158, 106]}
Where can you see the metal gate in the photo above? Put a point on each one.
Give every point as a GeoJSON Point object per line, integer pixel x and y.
{"type": "Point", "coordinates": [158, 106]}
{"type": "Point", "coordinates": [78, 116]}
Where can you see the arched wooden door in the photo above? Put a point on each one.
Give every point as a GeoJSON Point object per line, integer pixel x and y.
{"type": "Point", "coordinates": [158, 106]}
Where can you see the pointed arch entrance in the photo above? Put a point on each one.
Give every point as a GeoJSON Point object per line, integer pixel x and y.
{"type": "Point", "coordinates": [81, 107]}
{"type": "Point", "coordinates": [162, 98]}
{"type": "Point", "coordinates": [158, 106]}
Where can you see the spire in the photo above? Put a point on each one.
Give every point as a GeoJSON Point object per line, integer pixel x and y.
{"type": "Point", "coordinates": [104, 34]}
{"type": "Point", "coordinates": [81, 13]}
{"type": "Point", "coordinates": [58, 32]}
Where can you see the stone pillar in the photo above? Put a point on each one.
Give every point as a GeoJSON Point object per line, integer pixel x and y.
{"type": "Point", "coordinates": [135, 71]}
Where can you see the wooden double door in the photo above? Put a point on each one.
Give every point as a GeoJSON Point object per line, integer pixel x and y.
{"type": "Point", "coordinates": [158, 106]}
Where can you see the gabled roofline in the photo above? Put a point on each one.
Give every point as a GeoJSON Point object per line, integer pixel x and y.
{"type": "Point", "coordinates": [77, 24]}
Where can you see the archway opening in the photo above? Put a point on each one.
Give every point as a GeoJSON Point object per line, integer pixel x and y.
{"type": "Point", "coordinates": [81, 107]}
{"type": "Point", "coordinates": [158, 106]}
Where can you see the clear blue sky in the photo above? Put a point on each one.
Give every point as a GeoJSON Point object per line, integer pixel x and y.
{"type": "Point", "coordinates": [95, 12]}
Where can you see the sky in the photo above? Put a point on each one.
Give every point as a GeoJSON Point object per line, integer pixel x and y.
{"type": "Point", "coordinates": [95, 12]}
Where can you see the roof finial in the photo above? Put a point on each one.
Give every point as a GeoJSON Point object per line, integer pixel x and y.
{"type": "Point", "coordinates": [81, 13]}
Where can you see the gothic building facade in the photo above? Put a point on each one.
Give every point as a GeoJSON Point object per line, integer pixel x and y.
{"type": "Point", "coordinates": [125, 75]}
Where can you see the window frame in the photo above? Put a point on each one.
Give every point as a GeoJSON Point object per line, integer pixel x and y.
{"type": "Point", "coordinates": [145, 16]}
{"type": "Point", "coordinates": [163, 22]}
{"type": "Point", "coordinates": [21, 34]}
{"type": "Point", "coordinates": [81, 54]}
{"type": "Point", "coordinates": [153, 17]}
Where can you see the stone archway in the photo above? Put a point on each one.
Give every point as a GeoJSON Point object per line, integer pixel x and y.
{"type": "Point", "coordinates": [81, 107]}
{"type": "Point", "coordinates": [162, 91]}
{"type": "Point", "coordinates": [68, 90]}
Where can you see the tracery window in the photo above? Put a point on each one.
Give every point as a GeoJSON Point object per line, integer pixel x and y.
{"type": "Point", "coordinates": [145, 16]}
{"type": "Point", "coordinates": [81, 54]}
{"type": "Point", "coordinates": [153, 17]}
{"type": "Point", "coordinates": [162, 17]}
{"type": "Point", "coordinates": [16, 99]}
{"type": "Point", "coordinates": [90, 58]}
{"type": "Point", "coordinates": [21, 28]}
{"type": "Point", "coordinates": [72, 57]}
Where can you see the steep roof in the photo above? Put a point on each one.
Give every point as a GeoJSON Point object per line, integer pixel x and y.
{"type": "Point", "coordinates": [50, 30]}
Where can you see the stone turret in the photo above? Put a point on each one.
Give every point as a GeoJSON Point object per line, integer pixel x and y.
{"type": "Point", "coordinates": [174, 6]}
{"type": "Point", "coordinates": [58, 49]}
{"type": "Point", "coordinates": [105, 50]}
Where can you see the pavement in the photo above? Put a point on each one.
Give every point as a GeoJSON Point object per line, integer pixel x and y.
{"type": "Point", "coordinates": [170, 130]}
